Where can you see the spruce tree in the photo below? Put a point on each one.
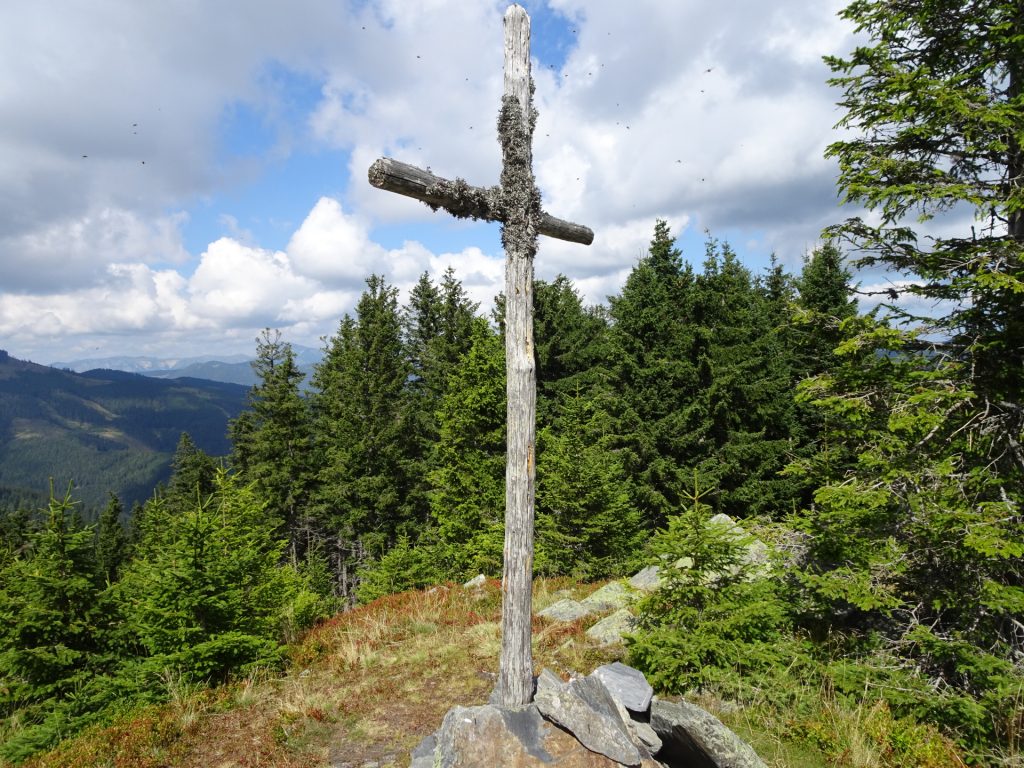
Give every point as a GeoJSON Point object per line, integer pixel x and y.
{"type": "Point", "coordinates": [192, 474]}
{"type": "Point", "coordinates": [365, 462]}
{"type": "Point", "coordinates": [206, 593]}
{"type": "Point", "coordinates": [587, 525]}
{"type": "Point", "coordinates": [468, 478]}
{"type": "Point", "coordinates": [437, 331]}
{"type": "Point", "coordinates": [54, 613]}
{"type": "Point", "coordinates": [571, 346]}
{"type": "Point", "coordinates": [111, 541]}
{"type": "Point", "coordinates": [653, 373]}
{"type": "Point", "coordinates": [934, 101]}
{"type": "Point", "coordinates": [740, 421]}
{"type": "Point", "coordinates": [825, 302]}
{"type": "Point", "coordinates": [272, 441]}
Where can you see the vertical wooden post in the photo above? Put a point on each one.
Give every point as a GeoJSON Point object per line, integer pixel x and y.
{"type": "Point", "coordinates": [516, 204]}
{"type": "Point", "coordinates": [519, 234]}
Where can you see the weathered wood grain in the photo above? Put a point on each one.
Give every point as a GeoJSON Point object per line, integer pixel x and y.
{"type": "Point", "coordinates": [516, 204]}
{"type": "Point", "coordinates": [515, 672]}
{"type": "Point", "coordinates": [404, 179]}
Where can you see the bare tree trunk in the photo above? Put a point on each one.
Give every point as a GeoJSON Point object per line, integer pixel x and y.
{"type": "Point", "coordinates": [521, 201]}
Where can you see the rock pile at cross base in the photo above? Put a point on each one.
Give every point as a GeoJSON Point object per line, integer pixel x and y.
{"type": "Point", "coordinates": [608, 718]}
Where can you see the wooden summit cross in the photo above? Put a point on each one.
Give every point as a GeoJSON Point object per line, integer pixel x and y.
{"type": "Point", "coordinates": [515, 202]}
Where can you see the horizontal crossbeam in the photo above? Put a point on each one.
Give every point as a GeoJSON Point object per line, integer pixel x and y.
{"type": "Point", "coordinates": [460, 199]}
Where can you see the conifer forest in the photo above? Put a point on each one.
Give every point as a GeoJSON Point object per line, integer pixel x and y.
{"type": "Point", "coordinates": [877, 454]}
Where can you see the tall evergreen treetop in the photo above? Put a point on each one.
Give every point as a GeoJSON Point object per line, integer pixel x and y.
{"type": "Point", "coordinates": [361, 427]}
{"type": "Point", "coordinates": [825, 301]}
{"type": "Point", "coordinates": [272, 440]}
{"type": "Point", "coordinates": [935, 104]}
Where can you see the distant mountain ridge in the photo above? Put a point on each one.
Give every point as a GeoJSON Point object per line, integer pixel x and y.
{"type": "Point", "coordinates": [104, 430]}
{"type": "Point", "coordinates": [231, 369]}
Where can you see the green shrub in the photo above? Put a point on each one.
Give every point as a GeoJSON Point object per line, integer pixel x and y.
{"type": "Point", "coordinates": [405, 566]}
{"type": "Point", "coordinates": [714, 619]}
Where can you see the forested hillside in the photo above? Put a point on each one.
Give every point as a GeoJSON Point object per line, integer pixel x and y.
{"type": "Point", "coordinates": [102, 431]}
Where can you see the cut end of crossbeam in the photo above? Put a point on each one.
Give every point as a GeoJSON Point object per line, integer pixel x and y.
{"type": "Point", "coordinates": [378, 172]}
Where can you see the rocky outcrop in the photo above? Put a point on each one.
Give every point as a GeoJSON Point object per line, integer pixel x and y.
{"type": "Point", "coordinates": [585, 708]}
{"type": "Point", "coordinates": [586, 723]}
{"type": "Point", "coordinates": [488, 736]}
{"type": "Point", "coordinates": [612, 595]}
{"type": "Point", "coordinates": [646, 580]}
{"type": "Point", "coordinates": [619, 596]}
{"type": "Point", "coordinates": [697, 739]}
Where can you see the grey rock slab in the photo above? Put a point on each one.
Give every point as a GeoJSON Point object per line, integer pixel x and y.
{"type": "Point", "coordinates": [477, 581]}
{"type": "Point", "coordinates": [639, 731]}
{"type": "Point", "coordinates": [646, 580]}
{"type": "Point", "coordinates": [585, 708]}
{"type": "Point", "coordinates": [723, 520]}
{"type": "Point", "coordinates": [548, 681]}
{"type": "Point", "coordinates": [610, 629]}
{"type": "Point", "coordinates": [647, 735]}
{"type": "Point", "coordinates": [423, 754]}
{"type": "Point", "coordinates": [489, 736]}
{"type": "Point", "coordinates": [565, 610]}
{"type": "Point", "coordinates": [614, 594]}
{"type": "Point", "coordinates": [693, 737]}
{"type": "Point", "coordinates": [627, 686]}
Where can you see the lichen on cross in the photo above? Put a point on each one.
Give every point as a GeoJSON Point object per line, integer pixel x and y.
{"type": "Point", "coordinates": [515, 202]}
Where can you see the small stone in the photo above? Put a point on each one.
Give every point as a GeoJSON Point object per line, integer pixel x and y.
{"type": "Point", "coordinates": [626, 685]}
{"type": "Point", "coordinates": [609, 630]}
{"type": "Point", "coordinates": [477, 581]}
{"type": "Point", "coordinates": [565, 610]}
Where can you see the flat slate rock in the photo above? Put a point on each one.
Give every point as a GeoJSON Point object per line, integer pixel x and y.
{"type": "Point", "coordinates": [627, 686]}
{"type": "Point", "coordinates": [488, 736]}
{"type": "Point", "coordinates": [697, 739]}
{"type": "Point", "coordinates": [585, 708]}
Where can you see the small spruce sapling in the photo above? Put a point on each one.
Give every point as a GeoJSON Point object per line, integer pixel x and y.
{"type": "Point", "coordinates": [713, 617]}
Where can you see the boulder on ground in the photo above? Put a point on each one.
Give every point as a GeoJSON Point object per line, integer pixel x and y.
{"type": "Point", "coordinates": [489, 736]}
{"type": "Point", "coordinates": [646, 580]}
{"type": "Point", "coordinates": [693, 737]}
{"type": "Point", "coordinates": [610, 629]}
{"type": "Point", "coordinates": [477, 581]}
{"type": "Point", "coordinates": [581, 724]}
{"type": "Point", "coordinates": [565, 610]}
{"type": "Point", "coordinates": [614, 594]}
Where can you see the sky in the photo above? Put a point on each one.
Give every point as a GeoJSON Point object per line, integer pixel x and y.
{"type": "Point", "coordinates": [176, 176]}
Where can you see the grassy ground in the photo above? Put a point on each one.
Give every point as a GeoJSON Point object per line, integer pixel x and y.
{"type": "Point", "coordinates": [368, 685]}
